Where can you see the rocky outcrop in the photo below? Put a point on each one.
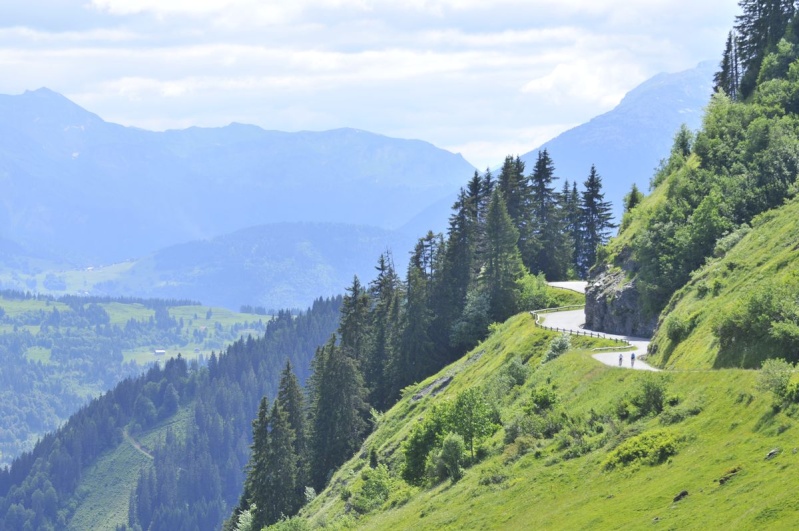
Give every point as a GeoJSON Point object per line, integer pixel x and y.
{"type": "Point", "coordinates": [612, 305]}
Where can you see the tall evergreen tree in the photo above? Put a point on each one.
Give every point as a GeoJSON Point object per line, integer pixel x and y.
{"type": "Point", "coordinates": [570, 212]}
{"type": "Point", "coordinates": [385, 293]}
{"type": "Point", "coordinates": [727, 79]}
{"type": "Point", "coordinates": [353, 327]}
{"type": "Point", "coordinates": [596, 223]}
{"type": "Point", "coordinates": [338, 411]}
{"type": "Point", "coordinates": [760, 27]}
{"type": "Point", "coordinates": [503, 265]}
{"type": "Point", "coordinates": [281, 471]}
{"type": "Point", "coordinates": [292, 401]}
{"type": "Point", "coordinates": [517, 194]}
{"type": "Point", "coordinates": [550, 254]}
{"type": "Point", "coordinates": [416, 356]}
{"type": "Point", "coordinates": [257, 485]}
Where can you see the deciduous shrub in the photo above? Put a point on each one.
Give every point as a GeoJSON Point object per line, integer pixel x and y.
{"type": "Point", "coordinates": [557, 347]}
{"type": "Point", "coordinates": [649, 448]}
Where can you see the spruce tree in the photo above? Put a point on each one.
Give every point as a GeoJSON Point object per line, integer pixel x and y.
{"type": "Point", "coordinates": [570, 212]}
{"type": "Point", "coordinates": [596, 223]}
{"type": "Point", "coordinates": [550, 252]}
{"type": "Point", "coordinates": [760, 27]}
{"type": "Point", "coordinates": [256, 485]}
{"type": "Point", "coordinates": [291, 399]}
{"type": "Point", "coordinates": [503, 263]}
{"type": "Point", "coordinates": [384, 291]}
{"type": "Point", "coordinates": [281, 471]}
{"type": "Point", "coordinates": [338, 411]}
{"type": "Point", "coordinates": [353, 325]}
{"type": "Point", "coordinates": [727, 79]}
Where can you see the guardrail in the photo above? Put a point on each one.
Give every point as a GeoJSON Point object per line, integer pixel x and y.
{"type": "Point", "coordinates": [587, 333]}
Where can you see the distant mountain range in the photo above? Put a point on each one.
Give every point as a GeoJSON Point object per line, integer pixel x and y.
{"type": "Point", "coordinates": [281, 265]}
{"type": "Point", "coordinates": [78, 187]}
{"type": "Point", "coordinates": [627, 143]}
{"type": "Point", "coordinates": [274, 219]}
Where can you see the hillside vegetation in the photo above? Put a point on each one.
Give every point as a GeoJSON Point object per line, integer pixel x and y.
{"type": "Point", "coordinates": [577, 445]}
{"type": "Point", "coordinates": [741, 307]}
{"type": "Point", "coordinates": [58, 353]}
{"type": "Point", "coordinates": [741, 163]}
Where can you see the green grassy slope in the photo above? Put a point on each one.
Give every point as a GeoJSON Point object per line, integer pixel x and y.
{"type": "Point", "coordinates": [766, 256]}
{"type": "Point", "coordinates": [714, 423]}
{"type": "Point", "coordinates": [103, 494]}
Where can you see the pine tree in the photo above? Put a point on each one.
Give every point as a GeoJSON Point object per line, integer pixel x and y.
{"type": "Point", "coordinates": [570, 212]}
{"type": "Point", "coordinates": [596, 223]}
{"type": "Point", "coordinates": [385, 292]}
{"type": "Point", "coordinates": [415, 357]}
{"type": "Point", "coordinates": [550, 254]}
{"type": "Point", "coordinates": [760, 27]}
{"type": "Point", "coordinates": [338, 411]}
{"type": "Point", "coordinates": [257, 485]}
{"type": "Point", "coordinates": [281, 471]}
{"type": "Point", "coordinates": [633, 198]}
{"type": "Point", "coordinates": [503, 265]}
{"type": "Point", "coordinates": [727, 79]}
{"type": "Point", "coordinates": [353, 328]}
{"type": "Point", "coordinates": [291, 399]}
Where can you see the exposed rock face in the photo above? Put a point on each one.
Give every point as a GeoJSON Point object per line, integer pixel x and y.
{"type": "Point", "coordinates": [612, 305]}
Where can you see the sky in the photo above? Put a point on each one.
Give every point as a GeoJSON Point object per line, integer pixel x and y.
{"type": "Point", "coordinates": [481, 78]}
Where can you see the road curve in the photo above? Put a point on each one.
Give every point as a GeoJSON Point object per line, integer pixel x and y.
{"type": "Point", "coordinates": [574, 321]}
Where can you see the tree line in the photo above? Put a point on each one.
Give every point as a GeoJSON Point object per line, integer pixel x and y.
{"type": "Point", "coordinates": [506, 236]}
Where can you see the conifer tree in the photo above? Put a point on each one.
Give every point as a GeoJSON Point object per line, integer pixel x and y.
{"type": "Point", "coordinates": [353, 329]}
{"type": "Point", "coordinates": [596, 223]}
{"type": "Point", "coordinates": [550, 254]}
{"type": "Point", "coordinates": [633, 198]}
{"type": "Point", "coordinates": [515, 188]}
{"type": "Point", "coordinates": [570, 212]}
{"type": "Point", "coordinates": [338, 411]}
{"type": "Point", "coordinates": [727, 79]}
{"type": "Point", "coordinates": [503, 263]}
{"type": "Point", "coordinates": [256, 485]}
{"type": "Point", "coordinates": [281, 471]}
{"type": "Point", "coordinates": [416, 356]}
{"type": "Point", "coordinates": [292, 401]}
{"type": "Point", "coordinates": [385, 292]}
{"type": "Point", "coordinates": [760, 27]}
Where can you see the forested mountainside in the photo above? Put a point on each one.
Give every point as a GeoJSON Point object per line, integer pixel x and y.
{"type": "Point", "coordinates": [525, 417]}
{"type": "Point", "coordinates": [396, 332]}
{"type": "Point", "coordinates": [58, 353]}
{"type": "Point", "coordinates": [44, 488]}
{"type": "Point", "coordinates": [744, 161]}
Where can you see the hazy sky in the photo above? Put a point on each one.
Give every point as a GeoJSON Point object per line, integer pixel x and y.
{"type": "Point", "coordinates": [483, 78]}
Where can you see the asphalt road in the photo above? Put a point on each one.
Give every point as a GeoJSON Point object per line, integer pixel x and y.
{"type": "Point", "coordinates": [574, 320]}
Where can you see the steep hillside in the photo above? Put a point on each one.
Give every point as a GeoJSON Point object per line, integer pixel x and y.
{"type": "Point", "coordinates": [168, 446]}
{"type": "Point", "coordinates": [578, 445]}
{"type": "Point", "coordinates": [741, 307]}
{"type": "Point", "coordinates": [97, 192]}
{"type": "Point", "coordinates": [743, 162]}
{"type": "Point", "coordinates": [58, 354]}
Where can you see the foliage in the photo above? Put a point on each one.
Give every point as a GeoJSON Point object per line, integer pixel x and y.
{"type": "Point", "coordinates": [450, 458]}
{"type": "Point", "coordinates": [649, 448]}
{"type": "Point", "coordinates": [374, 491]}
{"type": "Point", "coordinates": [557, 347]}
{"type": "Point", "coordinates": [774, 377]}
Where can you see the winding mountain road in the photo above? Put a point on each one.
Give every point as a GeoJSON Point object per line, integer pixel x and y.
{"type": "Point", "coordinates": [574, 321]}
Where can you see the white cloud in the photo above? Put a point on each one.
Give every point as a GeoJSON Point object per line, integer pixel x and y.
{"type": "Point", "coordinates": [483, 78]}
